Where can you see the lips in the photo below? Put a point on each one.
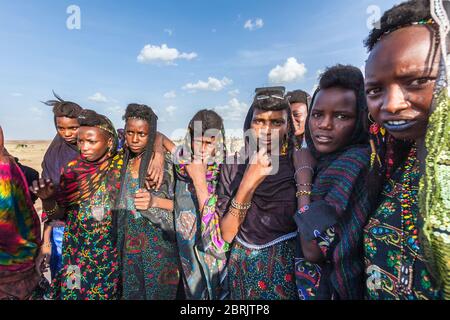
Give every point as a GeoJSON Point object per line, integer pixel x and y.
{"type": "Point", "coordinates": [399, 125]}
{"type": "Point", "coordinates": [323, 139]}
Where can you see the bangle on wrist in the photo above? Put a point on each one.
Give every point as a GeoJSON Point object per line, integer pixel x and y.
{"type": "Point", "coordinates": [52, 211]}
{"type": "Point", "coordinates": [241, 214]}
{"type": "Point", "coordinates": [304, 184]}
{"type": "Point", "coordinates": [302, 193]}
{"type": "Point", "coordinates": [303, 168]}
{"type": "Point", "coordinates": [240, 206]}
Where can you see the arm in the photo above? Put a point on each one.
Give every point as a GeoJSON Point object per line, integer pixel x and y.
{"type": "Point", "coordinates": [168, 145]}
{"type": "Point", "coordinates": [258, 169]}
{"type": "Point", "coordinates": [304, 178]}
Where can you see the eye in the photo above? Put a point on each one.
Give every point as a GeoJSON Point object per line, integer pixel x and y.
{"type": "Point", "coordinates": [316, 114]}
{"type": "Point", "coordinates": [342, 116]}
{"type": "Point", "coordinates": [373, 91]}
{"type": "Point", "coordinates": [421, 82]}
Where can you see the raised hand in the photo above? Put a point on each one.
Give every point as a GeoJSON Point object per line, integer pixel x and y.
{"type": "Point", "coordinates": [259, 168]}
{"type": "Point", "coordinates": [155, 172]}
{"type": "Point", "coordinates": [43, 189]}
{"type": "Point", "coordinates": [143, 200]}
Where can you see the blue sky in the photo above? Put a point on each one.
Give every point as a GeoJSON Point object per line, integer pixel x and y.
{"type": "Point", "coordinates": [193, 54]}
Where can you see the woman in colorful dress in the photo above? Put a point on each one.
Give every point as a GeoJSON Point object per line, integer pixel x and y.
{"type": "Point", "coordinates": [401, 74]}
{"type": "Point", "coordinates": [20, 233]}
{"type": "Point", "coordinates": [333, 201]}
{"type": "Point", "coordinates": [149, 262]}
{"type": "Point", "coordinates": [88, 187]}
{"type": "Point", "coordinates": [197, 166]}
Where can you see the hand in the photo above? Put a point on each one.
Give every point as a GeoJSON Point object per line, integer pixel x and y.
{"type": "Point", "coordinates": [42, 261]}
{"type": "Point", "coordinates": [155, 173]}
{"type": "Point", "coordinates": [259, 168]}
{"type": "Point", "coordinates": [43, 189]}
{"type": "Point", "coordinates": [196, 170]}
{"type": "Point", "coordinates": [143, 200]}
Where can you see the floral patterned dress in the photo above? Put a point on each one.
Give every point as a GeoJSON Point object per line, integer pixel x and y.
{"type": "Point", "coordinates": [150, 268]}
{"type": "Point", "coordinates": [393, 254]}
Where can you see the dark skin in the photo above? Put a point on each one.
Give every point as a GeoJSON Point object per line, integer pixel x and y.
{"type": "Point", "coordinates": [67, 129]}
{"type": "Point", "coordinates": [299, 113]}
{"type": "Point", "coordinates": [137, 135]}
{"type": "Point", "coordinates": [260, 164]}
{"type": "Point", "coordinates": [332, 122]}
{"type": "Point", "coordinates": [94, 145]}
{"type": "Point", "coordinates": [400, 78]}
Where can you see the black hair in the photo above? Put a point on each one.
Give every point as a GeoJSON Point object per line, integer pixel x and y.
{"type": "Point", "coordinates": [399, 16]}
{"type": "Point", "coordinates": [62, 108]}
{"type": "Point", "coordinates": [90, 118]}
{"type": "Point", "coordinates": [298, 96]}
{"type": "Point", "coordinates": [274, 100]}
{"type": "Point", "coordinates": [351, 78]}
{"type": "Point", "coordinates": [143, 112]}
{"type": "Point", "coordinates": [209, 120]}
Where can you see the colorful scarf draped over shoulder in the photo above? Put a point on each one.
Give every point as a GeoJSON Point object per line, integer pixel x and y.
{"type": "Point", "coordinates": [81, 179]}
{"type": "Point", "coordinates": [20, 231]}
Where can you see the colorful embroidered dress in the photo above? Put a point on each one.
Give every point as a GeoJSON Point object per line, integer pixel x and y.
{"type": "Point", "coordinates": [90, 259]}
{"type": "Point", "coordinates": [394, 259]}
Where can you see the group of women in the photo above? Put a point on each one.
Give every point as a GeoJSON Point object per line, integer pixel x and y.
{"type": "Point", "coordinates": [324, 201]}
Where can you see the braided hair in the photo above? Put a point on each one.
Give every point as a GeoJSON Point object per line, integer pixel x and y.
{"type": "Point", "coordinates": [143, 112]}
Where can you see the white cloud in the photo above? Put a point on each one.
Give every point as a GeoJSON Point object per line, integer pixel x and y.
{"type": "Point", "coordinates": [212, 84]}
{"type": "Point", "coordinates": [233, 111]}
{"type": "Point", "coordinates": [117, 110]}
{"type": "Point", "coordinates": [36, 111]}
{"type": "Point", "coordinates": [16, 94]}
{"type": "Point", "coordinates": [234, 93]}
{"type": "Point", "coordinates": [289, 72]}
{"type": "Point", "coordinates": [98, 97]}
{"type": "Point", "coordinates": [254, 25]}
{"type": "Point", "coordinates": [170, 110]}
{"type": "Point", "coordinates": [163, 53]}
{"type": "Point", "coordinates": [170, 95]}
{"type": "Point", "coordinates": [169, 32]}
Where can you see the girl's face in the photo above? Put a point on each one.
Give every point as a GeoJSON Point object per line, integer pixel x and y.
{"type": "Point", "coordinates": [299, 114]}
{"type": "Point", "coordinates": [136, 133]}
{"type": "Point", "coordinates": [93, 143]}
{"type": "Point", "coordinates": [333, 119]}
{"type": "Point", "coordinates": [67, 129]}
{"type": "Point", "coordinates": [400, 78]}
{"type": "Point", "coordinates": [266, 123]}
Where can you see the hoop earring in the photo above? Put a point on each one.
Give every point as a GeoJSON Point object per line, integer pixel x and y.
{"type": "Point", "coordinates": [369, 116]}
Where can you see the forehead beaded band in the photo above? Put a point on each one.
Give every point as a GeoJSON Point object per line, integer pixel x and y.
{"type": "Point", "coordinates": [428, 22]}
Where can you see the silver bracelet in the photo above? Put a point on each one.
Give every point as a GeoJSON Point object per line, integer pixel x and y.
{"type": "Point", "coordinates": [302, 168]}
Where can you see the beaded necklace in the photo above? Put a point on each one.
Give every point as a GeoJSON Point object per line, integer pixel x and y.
{"type": "Point", "coordinates": [408, 224]}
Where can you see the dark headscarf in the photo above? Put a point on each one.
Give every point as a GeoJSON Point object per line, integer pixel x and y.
{"type": "Point", "coordinates": [274, 202]}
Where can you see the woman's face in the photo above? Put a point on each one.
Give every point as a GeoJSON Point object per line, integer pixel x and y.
{"type": "Point", "coordinates": [299, 114]}
{"type": "Point", "coordinates": [136, 133]}
{"type": "Point", "coordinates": [93, 143]}
{"type": "Point", "coordinates": [333, 119]}
{"type": "Point", "coordinates": [67, 129]}
{"type": "Point", "coordinates": [204, 147]}
{"type": "Point", "coordinates": [400, 78]}
{"type": "Point", "coordinates": [268, 123]}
